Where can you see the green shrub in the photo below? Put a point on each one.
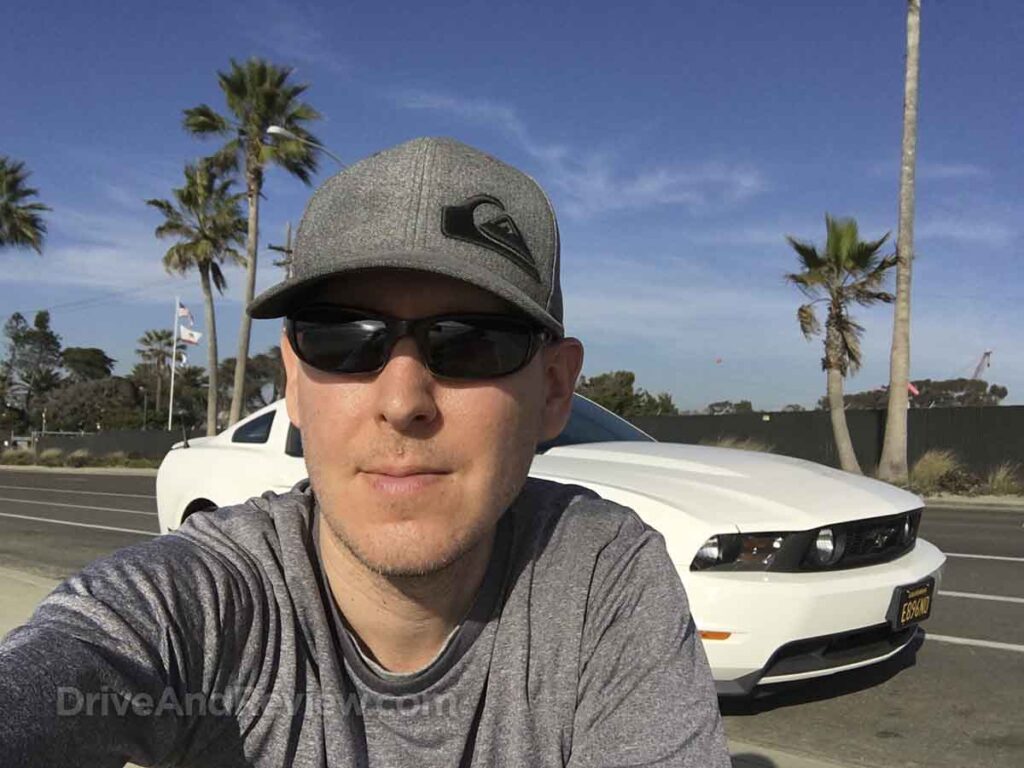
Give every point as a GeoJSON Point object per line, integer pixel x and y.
{"type": "Point", "coordinates": [1005, 480]}
{"type": "Point", "coordinates": [114, 459]}
{"type": "Point", "coordinates": [51, 457]}
{"type": "Point", "coordinates": [742, 443]}
{"type": "Point", "coordinates": [960, 481]}
{"type": "Point", "coordinates": [19, 457]}
{"type": "Point", "coordinates": [79, 458]}
{"type": "Point", "coordinates": [141, 463]}
{"type": "Point", "coordinates": [930, 468]}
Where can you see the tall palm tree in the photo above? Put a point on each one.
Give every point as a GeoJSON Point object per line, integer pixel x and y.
{"type": "Point", "coordinates": [21, 222]}
{"type": "Point", "coordinates": [155, 351]}
{"type": "Point", "coordinates": [849, 270]}
{"type": "Point", "coordinates": [893, 464]}
{"type": "Point", "coordinates": [258, 95]}
{"type": "Point", "coordinates": [206, 220]}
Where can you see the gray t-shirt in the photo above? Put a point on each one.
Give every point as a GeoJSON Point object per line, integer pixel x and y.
{"type": "Point", "coordinates": [221, 645]}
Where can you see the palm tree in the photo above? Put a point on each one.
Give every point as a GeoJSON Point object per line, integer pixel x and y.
{"type": "Point", "coordinates": [21, 222]}
{"type": "Point", "coordinates": [155, 351]}
{"type": "Point", "coordinates": [258, 95]}
{"type": "Point", "coordinates": [206, 219]}
{"type": "Point", "coordinates": [893, 464]}
{"type": "Point", "coordinates": [849, 270]}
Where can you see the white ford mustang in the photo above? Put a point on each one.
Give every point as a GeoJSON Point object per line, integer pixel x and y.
{"type": "Point", "coordinates": [793, 570]}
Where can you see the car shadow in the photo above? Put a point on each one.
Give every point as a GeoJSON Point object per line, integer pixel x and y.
{"type": "Point", "coordinates": [752, 760]}
{"type": "Point", "coordinates": [769, 697]}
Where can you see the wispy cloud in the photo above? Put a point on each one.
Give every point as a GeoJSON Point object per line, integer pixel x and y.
{"type": "Point", "coordinates": [950, 171]}
{"type": "Point", "coordinates": [293, 32]}
{"type": "Point", "coordinates": [969, 231]}
{"type": "Point", "coordinates": [933, 171]}
{"type": "Point", "coordinates": [591, 182]}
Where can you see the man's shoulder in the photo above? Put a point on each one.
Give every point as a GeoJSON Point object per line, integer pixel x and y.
{"type": "Point", "coordinates": [269, 519]}
{"type": "Point", "coordinates": [557, 518]}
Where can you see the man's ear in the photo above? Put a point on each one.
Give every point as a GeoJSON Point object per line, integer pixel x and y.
{"type": "Point", "coordinates": [291, 378]}
{"type": "Point", "coordinates": [563, 361]}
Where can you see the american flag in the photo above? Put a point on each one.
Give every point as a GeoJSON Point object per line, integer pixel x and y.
{"type": "Point", "coordinates": [186, 313]}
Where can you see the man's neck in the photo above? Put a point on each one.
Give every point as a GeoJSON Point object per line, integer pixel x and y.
{"type": "Point", "coordinates": [404, 622]}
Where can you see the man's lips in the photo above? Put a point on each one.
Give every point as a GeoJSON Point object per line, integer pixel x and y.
{"type": "Point", "coordinates": [404, 470]}
{"type": "Point", "coordinates": [402, 480]}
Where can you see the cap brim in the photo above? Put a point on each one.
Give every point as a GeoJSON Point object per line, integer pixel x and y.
{"type": "Point", "coordinates": [282, 298]}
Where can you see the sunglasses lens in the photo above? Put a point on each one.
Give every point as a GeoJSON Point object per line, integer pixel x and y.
{"type": "Point", "coordinates": [340, 345]}
{"type": "Point", "coordinates": [478, 348]}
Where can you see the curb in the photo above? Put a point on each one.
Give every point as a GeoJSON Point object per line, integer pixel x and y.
{"type": "Point", "coordinates": [81, 470]}
{"type": "Point", "coordinates": [746, 755]}
{"type": "Point", "coordinates": [975, 502]}
{"type": "Point", "coordinates": [40, 582]}
{"type": "Point", "coordinates": [20, 593]}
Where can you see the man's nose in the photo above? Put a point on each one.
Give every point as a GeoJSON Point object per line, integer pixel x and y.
{"type": "Point", "coordinates": [406, 389]}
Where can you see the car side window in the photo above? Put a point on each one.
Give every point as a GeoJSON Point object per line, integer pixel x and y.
{"type": "Point", "coordinates": [293, 443]}
{"type": "Point", "coordinates": [255, 431]}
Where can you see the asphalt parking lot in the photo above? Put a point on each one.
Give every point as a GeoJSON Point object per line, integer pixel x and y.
{"type": "Point", "coordinates": [954, 700]}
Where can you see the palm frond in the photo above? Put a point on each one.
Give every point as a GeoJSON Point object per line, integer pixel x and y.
{"type": "Point", "coordinates": [850, 332]}
{"type": "Point", "coordinates": [204, 120]}
{"type": "Point", "coordinates": [217, 274]}
{"type": "Point", "coordinates": [21, 222]}
{"type": "Point", "coordinates": [808, 320]}
{"type": "Point", "coordinates": [810, 259]}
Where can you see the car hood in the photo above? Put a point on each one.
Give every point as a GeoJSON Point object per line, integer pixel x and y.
{"type": "Point", "coordinates": [194, 442]}
{"type": "Point", "coordinates": [750, 490]}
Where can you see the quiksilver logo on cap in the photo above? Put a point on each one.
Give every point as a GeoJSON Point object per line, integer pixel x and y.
{"type": "Point", "coordinates": [483, 220]}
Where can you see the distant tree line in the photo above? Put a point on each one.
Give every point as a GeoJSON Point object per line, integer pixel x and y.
{"type": "Point", "coordinates": [947, 393]}
{"type": "Point", "coordinates": [75, 389]}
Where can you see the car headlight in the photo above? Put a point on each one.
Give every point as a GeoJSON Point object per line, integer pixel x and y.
{"type": "Point", "coordinates": [828, 548]}
{"type": "Point", "coordinates": [739, 552]}
{"type": "Point", "coordinates": [908, 530]}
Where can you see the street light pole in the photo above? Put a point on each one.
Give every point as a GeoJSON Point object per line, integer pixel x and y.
{"type": "Point", "coordinates": [284, 133]}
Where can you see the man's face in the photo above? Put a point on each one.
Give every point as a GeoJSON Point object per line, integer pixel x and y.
{"type": "Point", "coordinates": [411, 471]}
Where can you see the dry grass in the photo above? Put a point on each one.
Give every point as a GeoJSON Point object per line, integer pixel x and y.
{"type": "Point", "coordinates": [1005, 480]}
{"type": "Point", "coordinates": [79, 458]}
{"type": "Point", "coordinates": [931, 468]}
{"type": "Point", "coordinates": [741, 443]}
{"type": "Point", "coordinates": [19, 457]}
{"type": "Point", "coordinates": [51, 457]}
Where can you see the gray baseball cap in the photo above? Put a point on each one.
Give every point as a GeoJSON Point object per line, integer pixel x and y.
{"type": "Point", "coordinates": [435, 205]}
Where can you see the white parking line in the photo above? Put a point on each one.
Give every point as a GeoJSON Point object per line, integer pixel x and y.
{"type": "Point", "coordinates": [986, 557]}
{"type": "Point", "coordinates": [77, 525]}
{"type": "Point", "coordinates": [978, 596]}
{"type": "Point", "coordinates": [78, 491]}
{"type": "Point", "coordinates": [976, 643]}
{"type": "Point", "coordinates": [79, 506]}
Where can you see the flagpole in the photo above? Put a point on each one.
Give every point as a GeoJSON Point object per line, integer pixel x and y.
{"type": "Point", "coordinates": [174, 364]}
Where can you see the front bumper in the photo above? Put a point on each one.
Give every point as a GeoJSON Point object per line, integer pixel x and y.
{"type": "Point", "coordinates": [792, 626]}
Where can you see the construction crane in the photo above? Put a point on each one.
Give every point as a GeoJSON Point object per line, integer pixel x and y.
{"type": "Point", "coordinates": [985, 362]}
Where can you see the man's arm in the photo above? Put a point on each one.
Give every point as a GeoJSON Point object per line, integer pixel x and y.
{"type": "Point", "coordinates": [102, 672]}
{"type": "Point", "coordinates": [646, 696]}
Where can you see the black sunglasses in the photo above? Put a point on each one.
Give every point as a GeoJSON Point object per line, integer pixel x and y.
{"type": "Point", "coordinates": [458, 346]}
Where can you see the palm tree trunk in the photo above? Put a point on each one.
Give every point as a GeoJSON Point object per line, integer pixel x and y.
{"type": "Point", "coordinates": [211, 352]}
{"type": "Point", "coordinates": [840, 430]}
{"type": "Point", "coordinates": [238, 389]}
{"type": "Point", "coordinates": [893, 464]}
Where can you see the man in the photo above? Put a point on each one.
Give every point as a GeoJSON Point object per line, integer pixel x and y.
{"type": "Point", "coordinates": [418, 601]}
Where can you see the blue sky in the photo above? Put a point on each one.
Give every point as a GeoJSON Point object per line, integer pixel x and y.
{"type": "Point", "coordinates": [679, 141]}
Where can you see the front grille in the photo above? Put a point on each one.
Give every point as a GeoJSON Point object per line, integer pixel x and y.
{"type": "Point", "coordinates": [821, 653]}
{"type": "Point", "coordinates": [873, 541]}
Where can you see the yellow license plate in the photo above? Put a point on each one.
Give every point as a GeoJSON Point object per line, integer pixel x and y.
{"type": "Point", "coordinates": [911, 604]}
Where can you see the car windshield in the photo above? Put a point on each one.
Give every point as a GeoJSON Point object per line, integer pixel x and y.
{"type": "Point", "coordinates": [590, 423]}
